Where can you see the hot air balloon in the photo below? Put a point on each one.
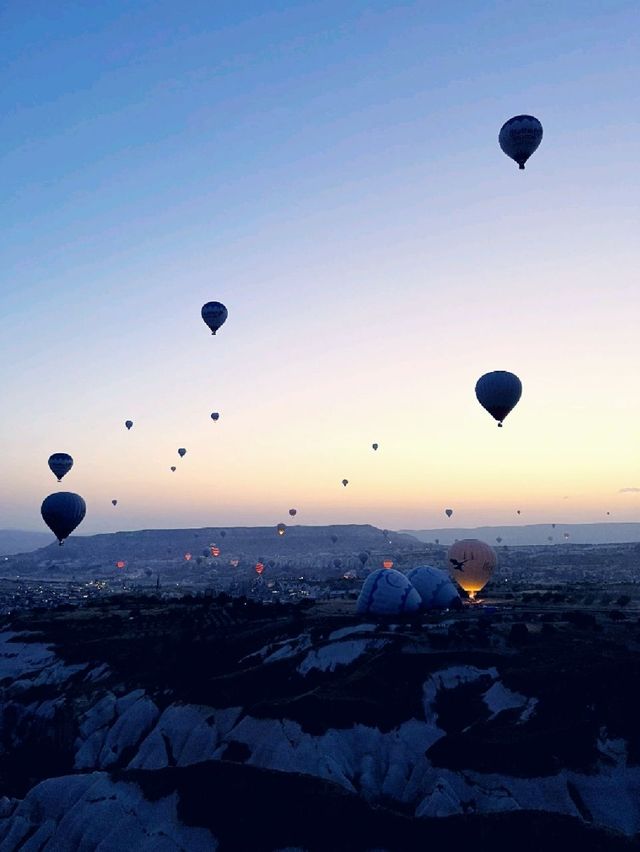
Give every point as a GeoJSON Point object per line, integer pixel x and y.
{"type": "Point", "coordinates": [387, 563]}
{"type": "Point", "coordinates": [234, 563]}
{"type": "Point", "coordinates": [214, 550]}
{"type": "Point", "coordinates": [498, 393]}
{"type": "Point", "coordinates": [566, 535]}
{"type": "Point", "coordinates": [374, 446]}
{"type": "Point", "coordinates": [206, 552]}
{"type": "Point", "coordinates": [173, 468]}
{"type": "Point", "coordinates": [120, 564]}
{"type": "Point", "coordinates": [549, 538]}
{"type": "Point", "coordinates": [434, 586]}
{"type": "Point", "coordinates": [345, 482]}
{"type": "Point", "coordinates": [223, 533]}
{"type": "Point", "coordinates": [187, 557]}
{"type": "Point", "coordinates": [553, 526]}
{"type": "Point", "coordinates": [517, 511]}
{"type": "Point", "coordinates": [281, 528]}
{"type": "Point", "coordinates": [214, 314]}
{"type": "Point", "coordinates": [293, 512]}
{"type": "Point", "coordinates": [519, 137]}
{"type": "Point", "coordinates": [128, 423]}
{"type": "Point", "coordinates": [471, 563]}
{"type": "Point", "coordinates": [62, 512]}
{"type": "Point", "coordinates": [499, 539]}
{"type": "Point", "coordinates": [182, 452]}
{"type": "Point", "coordinates": [334, 538]}
{"type": "Point", "coordinates": [387, 592]}
{"type": "Point", "coordinates": [363, 557]}
{"type": "Point", "coordinates": [259, 568]}
{"type": "Point", "coordinates": [608, 513]}
{"type": "Point", "coordinates": [60, 464]}
{"type": "Point", "coordinates": [215, 416]}
{"type": "Point", "coordinates": [448, 512]}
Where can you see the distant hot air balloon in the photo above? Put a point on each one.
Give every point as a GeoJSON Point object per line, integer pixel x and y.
{"type": "Point", "coordinates": [517, 511]}
{"type": "Point", "coordinates": [498, 393]}
{"type": "Point", "coordinates": [62, 512]}
{"type": "Point", "coordinates": [519, 137]}
{"type": "Point", "coordinates": [60, 464]}
{"type": "Point", "coordinates": [114, 502]}
{"type": "Point", "coordinates": [345, 482]}
{"type": "Point", "coordinates": [553, 526]}
{"type": "Point", "coordinates": [206, 552]}
{"type": "Point", "coordinates": [173, 468]}
{"type": "Point", "coordinates": [363, 557]}
{"type": "Point", "coordinates": [214, 314]}
{"type": "Point", "coordinates": [448, 512]}
{"type": "Point", "coordinates": [549, 538]}
{"type": "Point", "coordinates": [223, 533]}
{"type": "Point", "coordinates": [437, 541]}
{"type": "Point", "coordinates": [374, 446]}
{"type": "Point", "coordinates": [334, 538]}
{"type": "Point", "coordinates": [215, 416]}
{"type": "Point", "coordinates": [128, 423]}
{"type": "Point", "coordinates": [214, 550]}
{"type": "Point", "coordinates": [566, 535]}
{"type": "Point", "coordinates": [435, 587]}
{"type": "Point", "coordinates": [259, 568]}
{"type": "Point", "coordinates": [187, 557]}
{"type": "Point", "coordinates": [293, 512]}
{"type": "Point", "coordinates": [499, 539]}
{"type": "Point", "coordinates": [471, 563]}
{"type": "Point", "coordinates": [608, 513]}
{"type": "Point", "coordinates": [234, 563]}
{"type": "Point", "coordinates": [387, 563]}
{"type": "Point", "coordinates": [120, 564]}
{"type": "Point", "coordinates": [281, 528]}
{"type": "Point", "coordinates": [182, 452]}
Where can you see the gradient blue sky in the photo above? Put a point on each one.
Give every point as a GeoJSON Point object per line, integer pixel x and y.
{"type": "Point", "coordinates": [330, 171]}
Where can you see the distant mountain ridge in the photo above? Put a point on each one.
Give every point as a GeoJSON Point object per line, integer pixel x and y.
{"type": "Point", "coordinates": [532, 534]}
{"type": "Point", "coordinates": [254, 541]}
{"type": "Point", "coordinates": [22, 541]}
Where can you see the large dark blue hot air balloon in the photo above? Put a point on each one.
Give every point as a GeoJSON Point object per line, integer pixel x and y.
{"type": "Point", "coordinates": [519, 137]}
{"type": "Point", "coordinates": [62, 512]}
{"type": "Point", "coordinates": [214, 314]}
{"type": "Point", "coordinates": [60, 463]}
{"type": "Point", "coordinates": [498, 393]}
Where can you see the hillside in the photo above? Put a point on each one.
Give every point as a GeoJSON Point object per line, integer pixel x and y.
{"type": "Point", "coordinates": [22, 541]}
{"type": "Point", "coordinates": [493, 728]}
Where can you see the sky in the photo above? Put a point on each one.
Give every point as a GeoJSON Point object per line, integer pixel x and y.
{"type": "Point", "coordinates": [330, 172]}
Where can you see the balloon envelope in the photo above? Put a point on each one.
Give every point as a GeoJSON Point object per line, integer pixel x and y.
{"type": "Point", "coordinates": [374, 446]}
{"type": "Point", "coordinates": [128, 423]}
{"type": "Point", "coordinates": [387, 592]}
{"type": "Point", "coordinates": [62, 512]}
{"type": "Point", "coordinates": [293, 512]}
{"type": "Point", "coordinates": [214, 314]}
{"type": "Point", "coordinates": [498, 393]}
{"type": "Point", "coordinates": [519, 137]}
{"type": "Point", "coordinates": [60, 463]}
{"type": "Point", "coordinates": [173, 468]}
{"type": "Point", "coordinates": [114, 502]}
{"type": "Point", "coordinates": [471, 563]}
{"type": "Point", "coordinates": [182, 452]}
{"type": "Point", "coordinates": [281, 528]}
{"type": "Point", "coordinates": [215, 415]}
{"type": "Point", "coordinates": [448, 512]}
{"type": "Point", "coordinates": [345, 482]}
{"type": "Point", "coordinates": [434, 586]}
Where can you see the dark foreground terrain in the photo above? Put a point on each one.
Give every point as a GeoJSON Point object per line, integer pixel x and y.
{"type": "Point", "coordinates": [219, 723]}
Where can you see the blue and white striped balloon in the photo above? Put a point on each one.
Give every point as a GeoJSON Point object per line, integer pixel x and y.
{"type": "Point", "coordinates": [387, 592]}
